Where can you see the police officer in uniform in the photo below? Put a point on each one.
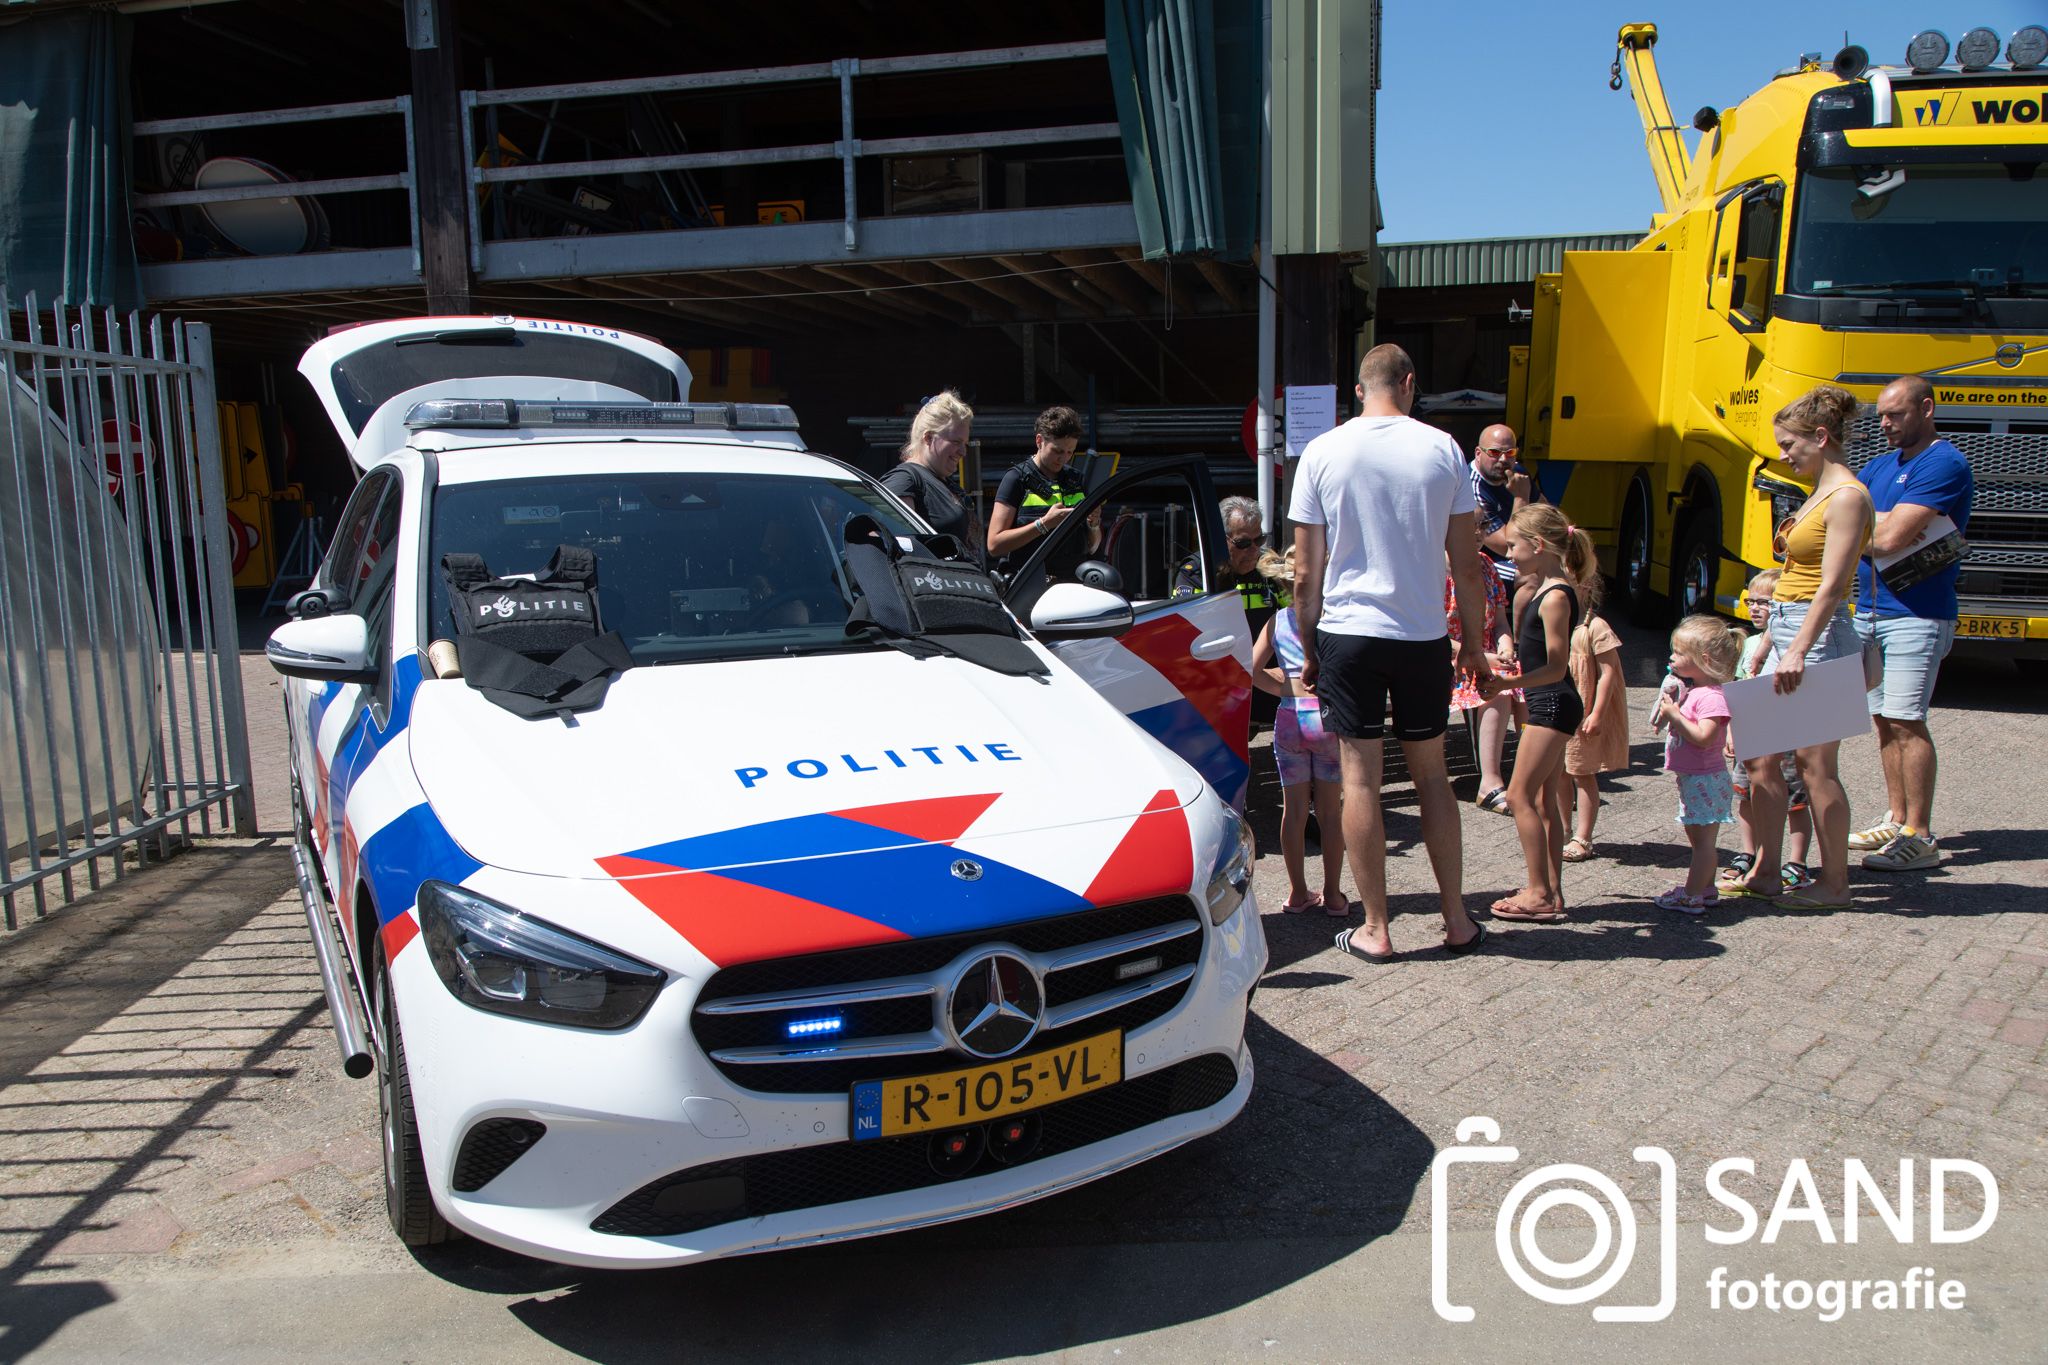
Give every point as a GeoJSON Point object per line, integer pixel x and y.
{"type": "Point", "coordinates": [1039, 493]}
{"type": "Point", "coordinates": [1240, 571]}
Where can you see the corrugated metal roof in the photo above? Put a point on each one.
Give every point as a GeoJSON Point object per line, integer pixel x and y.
{"type": "Point", "coordinates": [1487, 260]}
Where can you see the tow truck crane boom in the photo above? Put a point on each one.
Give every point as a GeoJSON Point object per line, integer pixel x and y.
{"type": "Point", "coordinates": [1668, 158]}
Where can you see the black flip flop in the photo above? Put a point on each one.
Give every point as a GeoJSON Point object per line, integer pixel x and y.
{"type": "Point", "coordinates": [1470, 945]}
{"type": "Point", "coordinates": [1345, 944]}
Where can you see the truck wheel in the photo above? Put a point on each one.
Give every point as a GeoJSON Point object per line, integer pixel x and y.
{"type": "Point", "coordinates": [1697, 565]}
{"type": "Point", "coordinates": [1632, 557]}
{"type": "Point", "coordinates": [407, 1200]}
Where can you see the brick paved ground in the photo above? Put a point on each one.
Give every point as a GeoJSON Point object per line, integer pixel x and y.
{"type": "Point", "coordinates": [177, 1122]}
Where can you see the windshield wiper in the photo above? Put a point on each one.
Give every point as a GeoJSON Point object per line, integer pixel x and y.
{"type": "Point", "coordinates": [1901, 287]}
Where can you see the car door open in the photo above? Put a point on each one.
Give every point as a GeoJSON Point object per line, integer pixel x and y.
{"type": "Point", "coordinates": [1182, 672]}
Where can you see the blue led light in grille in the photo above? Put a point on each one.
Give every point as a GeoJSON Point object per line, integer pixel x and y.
{"type": "Point", "coordinates": [814, 1028]}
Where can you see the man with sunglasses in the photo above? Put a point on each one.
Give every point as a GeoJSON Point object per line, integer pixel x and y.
{"type": "Point", "coordinates": [1239, 572]}
{"type": "Point", "coordinates": [1499, 489]}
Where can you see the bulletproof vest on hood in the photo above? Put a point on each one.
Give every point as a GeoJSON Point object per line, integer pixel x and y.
{"type": "Point", "coordinates": [535, 646]}
{"type": "Point", "coordinates": [925, 604]}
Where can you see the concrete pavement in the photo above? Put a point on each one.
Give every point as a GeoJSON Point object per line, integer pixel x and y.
{"type": "Point", "coordinates": [188, 1176]}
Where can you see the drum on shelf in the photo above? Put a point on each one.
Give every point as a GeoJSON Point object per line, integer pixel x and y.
{"type": "Point", "coordinates": [261, 227]}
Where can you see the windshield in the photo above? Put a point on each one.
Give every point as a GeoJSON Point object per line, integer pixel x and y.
{"type": "Point", "coordinates": [1974, 228]}
{"type": "Point", "coordinates": [689, 566]}
{"type": "Point", "coordinates": [365, 380]}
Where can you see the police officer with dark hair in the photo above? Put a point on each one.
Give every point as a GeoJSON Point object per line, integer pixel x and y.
{"type": "Point", "coordinates": [1041, 492]}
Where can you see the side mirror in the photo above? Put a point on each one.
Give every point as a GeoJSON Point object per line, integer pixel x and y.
{"type": "Point", "coordinates": [326, 649]}
{"type": "Point", "coordinates": [313, 603]}
{"type": "Point", "coordinates": [1072, 611]}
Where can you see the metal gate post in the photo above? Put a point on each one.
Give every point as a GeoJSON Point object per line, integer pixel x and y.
{"type": "Point", "coordinates": [220, 582]}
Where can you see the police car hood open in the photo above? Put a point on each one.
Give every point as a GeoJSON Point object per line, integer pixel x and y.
{"type": "Point", "coordinates": [703, 766]}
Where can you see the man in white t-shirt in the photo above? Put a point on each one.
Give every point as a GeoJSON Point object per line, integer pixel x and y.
{"type": "Point", "coordinates": [1379, 503]}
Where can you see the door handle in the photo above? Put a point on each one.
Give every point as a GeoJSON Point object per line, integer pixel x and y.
{"type": "Point", "coordinates": [1212, 647]}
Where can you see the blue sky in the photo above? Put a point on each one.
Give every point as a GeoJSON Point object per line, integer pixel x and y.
{"type": "Point", "coordinates": [1495, 119]}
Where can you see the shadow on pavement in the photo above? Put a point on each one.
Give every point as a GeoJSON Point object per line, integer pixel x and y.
{"type": "Point", "coordinates": [1170, 1237]}
{"type": "Point", "coordinates": [67, 977]}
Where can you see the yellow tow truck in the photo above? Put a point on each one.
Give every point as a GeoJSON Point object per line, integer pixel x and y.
{"type": "Point", "coordinates": [1845, 224]}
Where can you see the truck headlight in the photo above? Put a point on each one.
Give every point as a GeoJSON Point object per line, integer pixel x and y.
{"type": "Point", "coordinates": [1230, 878]}
{"type": "Point", "coordinates": [491, 957]}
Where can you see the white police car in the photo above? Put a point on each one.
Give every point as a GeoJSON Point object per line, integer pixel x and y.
{"type": "Point", "coordinates": [790, 935]}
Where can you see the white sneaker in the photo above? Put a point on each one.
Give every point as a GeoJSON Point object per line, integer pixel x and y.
{"type": "Point", "coordinates": [1876, 837]}
{"type": "Point", "coordinates": [1909, 852]}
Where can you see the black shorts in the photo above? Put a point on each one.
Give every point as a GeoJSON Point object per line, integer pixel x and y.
{"type": "Point", "coordinates": [1358, 675]}
{"type": "Point", "coordinates": [1559, 710]}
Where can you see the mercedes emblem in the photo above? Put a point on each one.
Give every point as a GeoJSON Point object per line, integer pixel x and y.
{"type": "Point", "coordinates": [966, 869]}
{"type": "Point", "coordinates": [995, 1005]}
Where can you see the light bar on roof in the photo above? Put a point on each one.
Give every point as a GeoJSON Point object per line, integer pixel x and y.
{"type": "Point", "coordinates": [512, 414]}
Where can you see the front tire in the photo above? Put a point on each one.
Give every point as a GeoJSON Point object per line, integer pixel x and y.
{"type": "Point", "coordinates": [1632, 557]}
{"type": "Point", "coordinates": [408, 1202]}
{"type": "Point", "coordinates": [1696, 568]}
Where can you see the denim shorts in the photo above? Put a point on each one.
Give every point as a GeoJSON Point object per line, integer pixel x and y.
{"type": "Point", "coordinates": [1838, 641]}
{"type": "Point", "coordinates": [1912, 648]}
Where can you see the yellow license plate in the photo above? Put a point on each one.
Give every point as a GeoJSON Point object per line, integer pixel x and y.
{"type": "Point", "coordinates": [976, 1094]}
{"type": "Point", "coordinates": [1993, 627]}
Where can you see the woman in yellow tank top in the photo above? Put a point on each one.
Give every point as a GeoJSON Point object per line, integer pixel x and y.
{"type": "Point", "coordinates": [1809, 625]}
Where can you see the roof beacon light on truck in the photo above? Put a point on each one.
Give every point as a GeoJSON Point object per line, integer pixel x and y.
{"type": "Point", "coordinates": [1977, 49]}
{"type": "Point", "coordinates": [508, 414]}
{"type": "Point", "coordinates": [2028, 48]}
{"type": "Point", "coordinates": [1927, 51]}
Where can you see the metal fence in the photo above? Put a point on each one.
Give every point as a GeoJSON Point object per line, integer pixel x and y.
{"type": "Point", "coordinates": [121, 716]}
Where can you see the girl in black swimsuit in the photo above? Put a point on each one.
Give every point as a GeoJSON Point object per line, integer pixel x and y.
{"type": "Point", "coordinates": [1553, 554]}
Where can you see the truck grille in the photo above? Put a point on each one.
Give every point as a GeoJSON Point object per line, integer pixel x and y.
{"type": "Point", "coordinates": [779, 1182]}
{"type": "Point", "coordinates": [1119, 967]}
{"type": "Point", "coordinates": [2008, 531]}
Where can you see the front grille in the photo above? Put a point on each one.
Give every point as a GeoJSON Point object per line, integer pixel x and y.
{"type": "Point", "coordinates": [909, 979]}
{"type": "Point", "coordinates": [780, 1182]}
{"type": "Point", "coordinates": [2007, 529]}
{"type": "Point", "coordinates": [2019, 451]}
{"type": "Point", "coordinates": [2002, 583]}
{"type": "Point", "coordinates": [490, 1147]}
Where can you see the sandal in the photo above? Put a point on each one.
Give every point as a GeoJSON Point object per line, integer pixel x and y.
{"type": "Point", "coordinates": [1314, 902]}
{"type": "Point", "coordinates": [1495, 801]}
{"type": "Point", "coordinates": [1738, 867]}
{"type": "Point", "coordinates": [1344, 944]}
{"type": "Point", "coordinates": [1576, 850]}
{"type": "Point", "coordinates": [1796, 876]}
{"type": "Point", "coordinates": [1685, 903]}
{"type": "Point", "coordinates": [1508, 909]}
{"type": "Point", "coordinates": [1340, 909]}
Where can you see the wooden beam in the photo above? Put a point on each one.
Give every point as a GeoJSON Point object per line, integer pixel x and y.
{"type": "Point", "coordinates": [1219, 280]}
{"type": "Point", "coordinates": [441, 183]}
{"type": "Point", "coordinates": [1151, 272]}
{"type": "Point", "coordinates": [1054, 283]}
{"type": "Point", "coordinates": [974, 297]}
{"type": "Point", "coordinates": [926, 304]}
{"type": "Point", "coordinates": [736, 314]}
{"type": "Point", "coordinates": [1001, 285]}
{"type": "Point", "coordinates": [1108, 276]}
{"type": "Point", "coordinates": [854, 308]}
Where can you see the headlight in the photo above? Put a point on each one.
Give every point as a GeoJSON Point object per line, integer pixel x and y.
{"type": "Point", "coordinates": [1230, 879]}
{"type": "Point", "coordinates": [492, 957]}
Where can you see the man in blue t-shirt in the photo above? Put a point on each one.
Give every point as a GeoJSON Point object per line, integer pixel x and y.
{"type": "Point", "coordinates": [1906, 603]}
